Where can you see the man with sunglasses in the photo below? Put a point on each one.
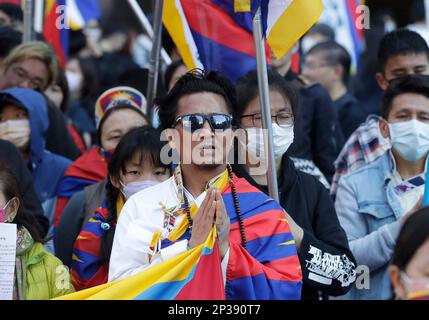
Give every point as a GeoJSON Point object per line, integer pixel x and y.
{"type": "Point", "coordinates": [258, 256]}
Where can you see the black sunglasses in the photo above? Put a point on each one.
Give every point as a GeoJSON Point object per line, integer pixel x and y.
{"type": "Point", "coordinates": [194, 122]}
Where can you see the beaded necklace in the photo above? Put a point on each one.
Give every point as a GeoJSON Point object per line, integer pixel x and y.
{"type": "Point", "coordinates": [236, 205]}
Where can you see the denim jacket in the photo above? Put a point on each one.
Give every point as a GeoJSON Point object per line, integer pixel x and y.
{"type": "Point", "coordinates": [371, 215]}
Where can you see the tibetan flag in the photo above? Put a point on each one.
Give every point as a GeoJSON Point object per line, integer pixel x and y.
{"type": "Point", "coordinates": [286, 21]}
{"type": "Point", "coordinates": [80, 12]}
{"type": "Point", "coordinates": [192, 275]}
{"type": "Point", "coordinates": [211, 35]}
{"type": "Point", "coordinates": [55, 29]}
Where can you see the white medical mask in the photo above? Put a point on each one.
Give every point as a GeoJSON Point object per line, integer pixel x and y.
{"type": "Point", "coordinates": [74, 80]}
{"type": "Point", "coordinates": [134, 187]}
{"type": "Point", "coordinates": [410, 139]}
{"type": "Point", "coordinates": [16, 132]}
{"type": "Point", "coordinates": [283, 137]}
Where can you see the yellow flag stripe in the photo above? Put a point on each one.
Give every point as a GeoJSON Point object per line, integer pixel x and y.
{"type": "Point", "coordinates": [176, 27]}
{"type": "Point", "coordinates": [130, 288]}
{"type": "Point", "coordinates": [297, 19]}
{"type": "Point", "coordinates": [242, 5]}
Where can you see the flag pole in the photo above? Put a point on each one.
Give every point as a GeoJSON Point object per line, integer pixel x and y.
{"type": "Point", "coordinates": [39, 15]}
{"type": "Point", "coordinates": [154, 57]}
{"type": "Point", "coordinates": [148, 28]}
{"type": "Point", "coordinates": [264, 102]}
{"type": "Point", "coordinates": [28, 21]}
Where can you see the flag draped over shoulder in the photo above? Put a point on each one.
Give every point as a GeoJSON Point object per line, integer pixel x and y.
{"type": "Point", "coordinates": [217, 34]}
{"type": "Point", "coordinates": [268, 269]}
{"type": "Point", "coordinates": [195, 274]}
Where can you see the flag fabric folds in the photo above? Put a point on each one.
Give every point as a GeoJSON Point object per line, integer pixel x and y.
{"type": "Point", "coordinates": [217, 34]}
{"type": "Point", "coordinates": [268, 269]}
{"type": "Point", "coordinates": [287, 21]}
{"type": "Point", "coordinates": [54, 32]}
{"type": "Point", "coordinates": [80, 12]}
{"type": "Point", "coordinates": [195, 274]}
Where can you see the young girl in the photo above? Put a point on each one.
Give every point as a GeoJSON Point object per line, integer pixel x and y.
{"type": "Point", "coordinates": [37, 272]}
{"type": "Point", "coordinates": [134, 166]}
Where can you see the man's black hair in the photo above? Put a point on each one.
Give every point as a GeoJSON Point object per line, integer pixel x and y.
{"type": "Point", "coordinates": [13, 11]}
{"type": "Point", "coordinates": [417, 84]}
{"type": "Point", "coordinates": [9, 40]}
{"type": "Point", "coordinates": [401, 42]}
{"type": "Point", "coordinates": [195, 81]}
{"type": "Point", "coordinates": [247, 90]}
{"type": "Point", "coordinates": [334, 54]}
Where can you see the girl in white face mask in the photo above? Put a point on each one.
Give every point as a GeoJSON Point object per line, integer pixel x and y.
{"type": "Point", "coordinates": [135, 166]}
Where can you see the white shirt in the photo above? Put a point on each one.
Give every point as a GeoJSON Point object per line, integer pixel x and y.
{"type": "Point", "coordinates": [140, 218]}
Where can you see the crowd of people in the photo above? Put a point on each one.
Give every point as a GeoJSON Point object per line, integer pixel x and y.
{"type": "Point", "coordinates": [84, 176]}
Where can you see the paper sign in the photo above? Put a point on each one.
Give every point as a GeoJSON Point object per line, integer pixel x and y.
{"type": "Point", "coordinates": [7, 259]}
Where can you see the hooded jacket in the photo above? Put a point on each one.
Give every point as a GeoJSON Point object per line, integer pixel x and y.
{"type": "Point", "coordinates": [46, 168]}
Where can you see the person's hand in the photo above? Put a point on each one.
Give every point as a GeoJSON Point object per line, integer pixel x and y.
{"type": "Point", "coordinates": [203, 220]}
{"type": "Point", "coordinates": [297, 231]}
{"type": "Point", "coordinates": [223, 225]}
{"type": "Point", "coordinates": [413, 210]}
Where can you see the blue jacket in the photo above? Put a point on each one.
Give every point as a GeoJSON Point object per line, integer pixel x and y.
{"type": "Point", "coordinates": [47, 169]}
{"type": "Point", "coordinates": [370, 213]}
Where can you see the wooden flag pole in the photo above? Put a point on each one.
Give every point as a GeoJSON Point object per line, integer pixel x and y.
{"type": "Point", "coordinates": [264, 102]}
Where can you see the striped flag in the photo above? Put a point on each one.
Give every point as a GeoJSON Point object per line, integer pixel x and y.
{"type": "Point", "coordinates": [218, 34]}
{"type": "Point", "coordinates": [54, 32]}
{"type": "Point", "coordinates": [192, 275]}
{"type": "Point", "coordinates": [286, 21]}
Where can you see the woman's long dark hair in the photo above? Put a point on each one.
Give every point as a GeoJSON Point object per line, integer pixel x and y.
{"type": "Point", "coordinates": [9, 186]}
{"type": "Point", "coordinates": [144, 142]}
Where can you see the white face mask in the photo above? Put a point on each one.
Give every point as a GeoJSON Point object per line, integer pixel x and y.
{"type": "Point", "coordinates": [283, 137]}
{"type": "Point", "coordinates": [134, 187]}
{"type": "Point", "coordinates": [16, 132]}
{"type": "Point", "coordinates": [74, 80]}
{"type": "Point", "coordinates": [410, 139]}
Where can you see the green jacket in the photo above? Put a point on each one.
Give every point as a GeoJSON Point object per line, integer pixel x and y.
{"type": "Point", "coordinates": [46, 277]}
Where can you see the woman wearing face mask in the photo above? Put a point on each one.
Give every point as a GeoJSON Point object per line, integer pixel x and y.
{"type": "Point", "coordinates": [84, 85]}
{"type": "Point", "coordinates": [409, 272]}
{"type": "Point", "coordinates": [320, 239]}
{"type": "Point", "coordinates": [135, 166]}
{"type": "Point", "coordinates": [36, 270]}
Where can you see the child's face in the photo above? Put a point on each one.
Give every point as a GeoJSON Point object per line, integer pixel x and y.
{"type": "Point", "coordinates": [11, 112]}
{"type": "Point", "coordinates": [136, 171]}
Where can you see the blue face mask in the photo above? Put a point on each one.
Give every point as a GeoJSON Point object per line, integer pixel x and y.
{"type": "Point", "coordinates": [134, 187]}
{"type": "Point", "coordinates": [410, 139]}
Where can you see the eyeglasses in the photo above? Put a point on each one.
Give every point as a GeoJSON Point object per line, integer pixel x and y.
{"type": "Point", "coordinates": [282, 119]}
{"type": "Point", "coordinates": [21, 75]}
{"type": "Point", "coordinates": [194, 122]}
